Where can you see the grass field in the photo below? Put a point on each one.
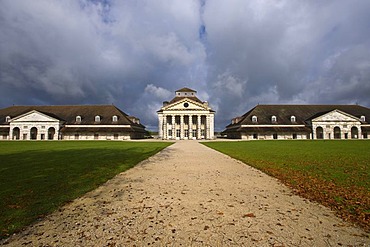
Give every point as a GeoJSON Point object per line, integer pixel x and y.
{"type": "Point", "coordinates": [38, 177]}
{"type": "Point", "coordinates": [333, 173]}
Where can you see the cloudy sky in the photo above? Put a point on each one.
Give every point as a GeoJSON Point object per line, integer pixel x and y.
{"type": "Point", "coordinates": [136, 53]}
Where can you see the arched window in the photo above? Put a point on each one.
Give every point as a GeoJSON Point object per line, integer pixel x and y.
{"type": "Point", "coordinates": [319, 133]}
{"type": "Point", "coordinates": [273, 119]}
{"type": "Point", "coordinates": [78, 119]}
{"type": "Point", "coordinates": [97, 118]}
{"type": "Point", "coordinates": [114, 118]}
{"type": "Point", "coordinates": [292, 119]}
{"type": "Point", "coordinates": [7, 119]}
{"type": "Point", "coordinates": [337, 133]}
{"type": "Point", "coordinates": [254, 119]}
{"type": "Point", "coordinates": [354, 132]}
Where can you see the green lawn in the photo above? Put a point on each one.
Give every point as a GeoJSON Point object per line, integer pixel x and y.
{"type": "Point", "coordinates": [38, 177]}
{"type": "Point", "coordinates": [334, 173]}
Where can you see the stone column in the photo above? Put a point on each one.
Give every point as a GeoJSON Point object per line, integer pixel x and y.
{"type": "Point", "coordinates": [190, 127]}
{"type": "Point", "coordinates": [161, 125]}
{"type": "Point", "coordinates": [182, 134]}
{"type": "Point", "coordinates": [173, 126]}
{"type": "Point", "coordinates": [212, 127]}
{"type": "Point", "coordinates": [198, 126]}
{"type": "Point", "coordinates": [207, 129]}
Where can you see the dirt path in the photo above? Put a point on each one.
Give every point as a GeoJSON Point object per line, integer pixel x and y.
{"type": "Point", "coordinates": [190, 195]}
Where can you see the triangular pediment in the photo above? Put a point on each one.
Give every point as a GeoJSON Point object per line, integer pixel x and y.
{"type": "Point", "coordinates": [186, 104]}
{"type": "Point", "coordinates": [34, 116]}
{"type": "Point", "coordinates": [336, 116]}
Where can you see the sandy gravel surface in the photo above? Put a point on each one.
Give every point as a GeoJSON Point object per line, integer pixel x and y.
{"type": "Point", "coordinates": [190, 195]}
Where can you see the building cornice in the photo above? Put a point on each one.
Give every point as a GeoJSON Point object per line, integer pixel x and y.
{"type": "Point", "coordinates": [98, 126]}
{"type": "Point", "coordinates": [272, 125]}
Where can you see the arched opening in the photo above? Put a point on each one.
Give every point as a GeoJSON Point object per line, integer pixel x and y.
{"type": "Point", "coordinates": [16, 133]}
{"type": "Point", "coordinates": [33, 133]}
{"type": "Point", "coordinates": [337, 133]}
{"type": "Point", "coordinates": [319, 133]}
{"type": "Point", "coordinates": [51, 133]}
{"type": "Point", "coordinates": [354, 132]}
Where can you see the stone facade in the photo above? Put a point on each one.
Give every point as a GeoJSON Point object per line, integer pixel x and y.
{"type": "Point", "coordinates": [267, 122]}
{"type": "Point", "coordinates": [83, 122]}
{"type": "Point", "coordinates": [185, 117]}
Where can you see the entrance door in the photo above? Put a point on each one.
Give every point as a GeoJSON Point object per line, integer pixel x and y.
{"type": "Point", "coordinates": [51, 133]}
{"type": "Point", "coordinates": [33, 133]}
{"type": "Point", "coordinates": [337, 133]}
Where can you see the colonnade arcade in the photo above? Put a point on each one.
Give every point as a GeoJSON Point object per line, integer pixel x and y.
{"type": "Point", "coordinates": [183, 126]}
{"type": "Point", "coordinates": [338, 132]}
{"type": "Point", "coordinates": [34, 133]}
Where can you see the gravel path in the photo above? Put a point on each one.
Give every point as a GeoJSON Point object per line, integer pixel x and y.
{"type": "Point", "coordinates": [190, 195]}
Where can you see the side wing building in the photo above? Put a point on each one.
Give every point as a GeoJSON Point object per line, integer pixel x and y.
{"type": "Point", "coordinates": [301, 122]}
{"type": "Point", "coordinates": [186, 117]}
{"type": "Point", "coordinates": [69, 122]}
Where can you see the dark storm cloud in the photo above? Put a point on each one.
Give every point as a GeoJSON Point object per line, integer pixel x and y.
{"type": "Point", "coordinates": [136, 53]}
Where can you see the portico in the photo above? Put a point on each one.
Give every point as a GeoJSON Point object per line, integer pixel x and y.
{"type": "Point", "coordinates": [186, 117]}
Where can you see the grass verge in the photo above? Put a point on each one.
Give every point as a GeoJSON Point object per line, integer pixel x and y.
{"type": "Point", "coordinates": [334, 173]}
{"type": "Point", "coordinates": [38, 177]}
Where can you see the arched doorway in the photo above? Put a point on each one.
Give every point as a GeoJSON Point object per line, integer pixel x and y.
{"type": "Point", "coordinates": [319, 133]}
{"type": "Point", "coordinates": [33, 133]}
{"type": "Point", "coordinates": [354, 132]}
{"type": "Point", "coordinates": [337, 133]}
{"type": "Point", "coordinates": [16, 133]}
{"type": "Point", "coordinates": [51, 133]}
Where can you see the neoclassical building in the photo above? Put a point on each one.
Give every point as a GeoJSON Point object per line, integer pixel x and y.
{"type": "Point", "coordinates": [69, 122]}
{"type": "Point", "coordinates": [186, 117]}
{"type": "Point", "coordinates": [301, 122]}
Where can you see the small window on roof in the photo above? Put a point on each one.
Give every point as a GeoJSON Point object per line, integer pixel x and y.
{"type": "Point", "coordinates": [292, 119]}
{"type": "Point", "coordinates": [273, 119]}
{"type": "Point", "coordinates": [7, 119]}
{"type": "Point", "coordinates": [114, 118]}
{"type": "Point", "coordinates": [254, 119]}
{"type": "Point", "coordinates": [363, 119]}
{"type": "Point", "coordinates": [97, 118]}
{"type": "Point", "coordinates": [78, 119]}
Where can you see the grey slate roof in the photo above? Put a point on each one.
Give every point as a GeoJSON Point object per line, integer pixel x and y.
{"type": "Point", "coordinates": [303, 113]}
{"type": "Point", "coordinates": [68, 113]}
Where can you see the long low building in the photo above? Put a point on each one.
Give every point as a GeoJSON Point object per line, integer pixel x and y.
{"type": "Point", "coordinates": [68, 122]}
{"type": "Point", "coordinates": [301, 122]}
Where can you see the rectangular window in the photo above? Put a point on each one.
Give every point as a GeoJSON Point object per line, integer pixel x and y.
{"type": "Point", "coordinates": [42, 136]}
{"type": "Point", "coordinates": [186, 133]}
{"type": "Point", "coordinates": [275, 136]}
{"type": "Point", "coordinates": [115, 136]}
{"type": "Point", "coordinates": [96, 136]}
{"type": "Point", "coordinates": [177, 133]}
{"type": "Point", "coordinates": [194, 133]}
{"type": "Point", "coordinates": [5, 137]}
{"type": "Point", "coordinates": [255, 136]}
{"type": "Point", "coordinates": [25, 127]}
{"type": "Point", "coordinates": [294, 136]}
{"type": "Point", "coordinates": [365, 135]}
{"type": "Point", "coordinates": [42, 127]}
{"type": "Point", "coordinates": [170, 133]}
{"type": "Point", "coordinates": [77, 136]}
